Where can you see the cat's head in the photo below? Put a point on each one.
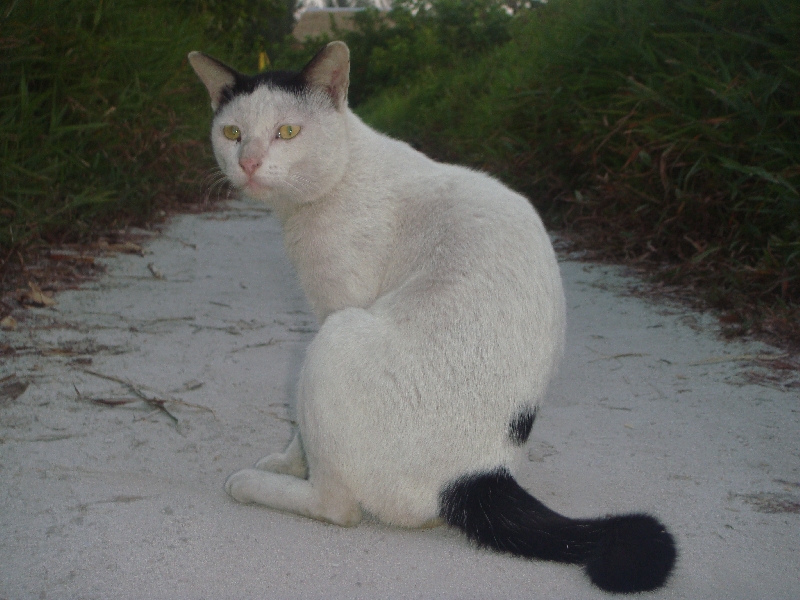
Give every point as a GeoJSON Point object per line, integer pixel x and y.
{"type": "Point", "coordinates": [280, 136]}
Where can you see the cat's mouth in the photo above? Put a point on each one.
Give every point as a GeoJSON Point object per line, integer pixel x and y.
{"type": "Point", "coordinates": [252, 183]}
{"type": "Point", "coordinates": [257, 188]}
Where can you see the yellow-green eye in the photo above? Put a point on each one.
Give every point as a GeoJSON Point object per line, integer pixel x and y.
{"type": "Point", "coordinates": [287, 132]}
{"type": "Point", "coordinates": [231, 132]}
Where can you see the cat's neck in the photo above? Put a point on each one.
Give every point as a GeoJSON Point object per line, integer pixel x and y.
{"type": "Point", "coordinates": [341, 242]}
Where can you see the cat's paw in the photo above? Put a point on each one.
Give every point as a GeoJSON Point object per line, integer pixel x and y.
{"type": "Point", "coordinates": [275, 463]}
{"type": "Point", "coordinates": [242, 485]}
{"type": "Point", "coordinates": [281, 463]}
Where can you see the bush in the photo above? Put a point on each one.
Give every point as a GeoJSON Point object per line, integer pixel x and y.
{"type": "Point", "coordinates": [95, 103]}
{"type": "Point", "coordinates": [241, 29]}
{"type": "Point", "coordinates": [101, 119]}
{"type": "Point", "coordinates": [662, 132]}
{"type": "Point", "coordinates": [418, 37]}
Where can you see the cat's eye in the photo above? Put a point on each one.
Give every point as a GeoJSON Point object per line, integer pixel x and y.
{"type": "Point", "coordinates": [287, 132]}
{"type": "Point", "coordinates": [232, 132]}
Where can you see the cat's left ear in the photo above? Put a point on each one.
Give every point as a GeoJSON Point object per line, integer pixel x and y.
{"type": "Point", "coordinates": [329, 71]}
{"type": "Point", "coordinates": [215, 75]}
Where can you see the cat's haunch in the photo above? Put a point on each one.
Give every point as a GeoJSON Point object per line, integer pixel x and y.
{"type": "Point", "coordinates": [442, 320]}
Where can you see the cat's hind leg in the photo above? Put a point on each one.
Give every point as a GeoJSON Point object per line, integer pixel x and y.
{"type": "Point", "coordinates": [321, 499]}
{"type": "Point", "coordinates": [291, 461]}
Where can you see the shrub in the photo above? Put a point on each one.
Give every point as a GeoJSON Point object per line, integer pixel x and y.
{"type": "Point", "coordinates": [101, 119]}
{"type": "Point", "coordinates": [97, 115]}
{"type": "Point", "coordinates": [662, 132]}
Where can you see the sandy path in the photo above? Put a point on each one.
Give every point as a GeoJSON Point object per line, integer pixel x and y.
{"type": "Point", "coordinates": [651, 412]}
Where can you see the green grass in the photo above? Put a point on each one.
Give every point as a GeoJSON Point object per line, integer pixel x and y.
{"type": "Point", "coordinates": [100, 117]}
{"type": "Point", "coordinates": [660, 132]}
{"type": "Point", "coordinates": [102, 123]}
{"type": "Point", "coordinates": [656, 132]}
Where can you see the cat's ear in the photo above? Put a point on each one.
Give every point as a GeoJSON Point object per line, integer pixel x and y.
{"type": "Point", "coordinates": [215, 75]}
{"type": "Point", "coordinates": [329, 71]}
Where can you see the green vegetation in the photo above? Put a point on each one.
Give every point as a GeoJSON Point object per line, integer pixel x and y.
{"type": "Point", "coordinates": [88, 109]}
{"type": "Point", "coordinates": [660, 132]}
{"type": "Point", "coordinates": [421, 37]}
{"type": "Point", "coordinates": [102, 123]}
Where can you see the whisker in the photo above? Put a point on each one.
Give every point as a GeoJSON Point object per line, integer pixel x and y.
{"type": "Point", "coordinates": [300, 183]}
{"type": "Point", "coordinates": [216, 182]}
{"type": "Point", "coordinates": [213, 174]}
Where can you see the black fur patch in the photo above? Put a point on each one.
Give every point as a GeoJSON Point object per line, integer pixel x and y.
{"type": "Point", "coordinates": [520, 426]}
{"type": "Point", "coordinates": [623, 553]}
{"type": "Point", "coordinates": [289, 81]}
{"type": "Point", "coordinates": [495, 512]}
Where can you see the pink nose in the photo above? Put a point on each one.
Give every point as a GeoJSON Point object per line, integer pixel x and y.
{"type": "Point", "coordinates": [250, 165]}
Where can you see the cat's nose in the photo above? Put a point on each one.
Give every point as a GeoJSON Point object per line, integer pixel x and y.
{"type": "Point", "coordinates": [249, 165]}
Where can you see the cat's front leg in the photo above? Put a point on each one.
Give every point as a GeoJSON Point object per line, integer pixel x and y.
{"type": "Point", "coordinates": [291, 461]}
{"type": "Point", "coordinates": [321, 499]}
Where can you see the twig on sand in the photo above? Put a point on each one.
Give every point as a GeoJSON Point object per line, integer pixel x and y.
{"type": "Point", "coordinates": [155, 271]}
{"type": "Point", "coordinates": [617, 356]}
{"type": "Point", "coordinates": [159, 404]}
{"type": "Point", "coordinates": [150, 414]}
{"type": "Point", "coordinates": [737, 357]}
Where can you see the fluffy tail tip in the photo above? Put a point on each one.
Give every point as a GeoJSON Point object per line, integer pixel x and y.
{"type": "Point", "coordinates": [636, 553]}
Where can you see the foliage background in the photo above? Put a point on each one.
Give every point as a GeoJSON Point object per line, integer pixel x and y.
{"type": "Point", "coordinates": [101, 121]}
{"type": "Point", "coordinates": [661, 133]}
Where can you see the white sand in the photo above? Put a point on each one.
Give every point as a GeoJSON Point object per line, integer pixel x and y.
{"type": "Point", "coordinates": [121, 502]}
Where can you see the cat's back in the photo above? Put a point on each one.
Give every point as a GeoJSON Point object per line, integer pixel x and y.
{"type": "Point", "coordinates": [469, 269]}
{"type": "Point", "coordinates": [461, 230]}
{"type": "Point", "coordinates": [444, 250]}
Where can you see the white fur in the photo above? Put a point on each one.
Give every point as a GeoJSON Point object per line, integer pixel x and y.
{"type": "Point", "coordinates": [440, 303]}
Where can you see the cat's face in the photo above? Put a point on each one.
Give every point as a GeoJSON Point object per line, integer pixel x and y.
{"type": "Point", "coordinates": [280, 146]}
{"type": "Point", "coordinates": [280, 136]}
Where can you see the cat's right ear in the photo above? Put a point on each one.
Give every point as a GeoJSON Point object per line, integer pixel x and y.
{"type": "Point", "coordinates": [329, 71]}
{"type": "Point", "coordinates": [215, 75]}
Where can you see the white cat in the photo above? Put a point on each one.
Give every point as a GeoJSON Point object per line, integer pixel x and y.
{"type": "Point", "coordinates": [442, 322]}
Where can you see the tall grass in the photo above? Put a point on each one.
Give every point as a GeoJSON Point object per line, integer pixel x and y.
{"type": "Point", "coordinates": [98, 115]}
{"type": "Point", "coordinates": [658, 132]}
{"type": "Point", "coordinates": [661, 132]}
{"type": "Point", "coordinates": [420, 35]}
{"type": "Point", "coordinates": [390, 49]}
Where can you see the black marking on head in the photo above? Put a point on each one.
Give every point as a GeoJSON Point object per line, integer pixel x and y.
{"type": "Point", "coordinates": [288, 81]}
{"type": "Point", "coordinates": [520, 426]}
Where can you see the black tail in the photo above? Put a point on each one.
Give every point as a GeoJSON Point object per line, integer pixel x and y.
{"type": "Point", "coordinates": [624, 554]}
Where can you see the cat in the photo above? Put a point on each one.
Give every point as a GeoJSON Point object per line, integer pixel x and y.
{"type": "Point", "coordinates": [442, 321]}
